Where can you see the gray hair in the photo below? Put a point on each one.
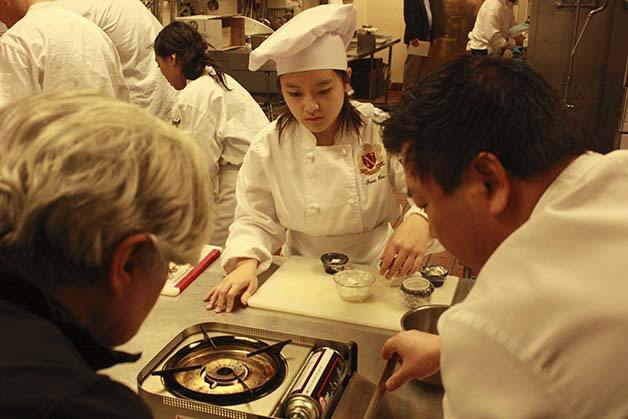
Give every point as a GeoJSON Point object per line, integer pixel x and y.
{"type": "Point", "coordinates": [79, 172]}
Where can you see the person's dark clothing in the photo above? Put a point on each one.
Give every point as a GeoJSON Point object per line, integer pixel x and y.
{"type": "Point", "coordinates": [48, 362]}
{"type": "Point", "coordinates": [417, 24]}
{"type": "Point", "coordinates": [480, 52]}
{"type": "Point", "coordinates": [415, 17]}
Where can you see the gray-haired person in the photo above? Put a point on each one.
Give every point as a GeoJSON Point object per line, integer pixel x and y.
{"type": "Point", "coordinates": [96, 198]}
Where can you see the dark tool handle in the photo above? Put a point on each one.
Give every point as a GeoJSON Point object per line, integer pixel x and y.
{"type": "Point", "coordinates": [380, 390]}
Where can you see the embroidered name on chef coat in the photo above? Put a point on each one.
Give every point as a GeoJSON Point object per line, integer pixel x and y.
{"type": "Point", "coordinates": [371, 159]}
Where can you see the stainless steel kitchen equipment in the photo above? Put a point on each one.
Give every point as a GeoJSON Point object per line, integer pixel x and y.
{"type": "Point", "coordinates": [425, 319]}
{"type": "Point", "coordinates": [205, 372]}
{"type": "Point", "coordinates": [172, 315]}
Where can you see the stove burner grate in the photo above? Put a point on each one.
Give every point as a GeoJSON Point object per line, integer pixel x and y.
{"type": "Point", "coordinates": [227, 375]}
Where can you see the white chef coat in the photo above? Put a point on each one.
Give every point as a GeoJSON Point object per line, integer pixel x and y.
{"type": "Point", "coordinates": [132, 28]}
{"type": "Point", "coordinates": [51, 48]}
{"type": "Point", "coordinates": [316, 199]}
{"type": "Point", "coordinates": [543, 334]}
{"type": "Point", "coordinates": [223, 123]}
{"type": "Point", "coordinates": [490, 31]}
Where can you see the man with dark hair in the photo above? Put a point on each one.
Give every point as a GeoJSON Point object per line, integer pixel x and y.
{"type": "Point", "coordinates": [512, 191]}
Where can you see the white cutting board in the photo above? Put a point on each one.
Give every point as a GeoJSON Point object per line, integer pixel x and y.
{"type": "Point", "coordinates": [301, 286]}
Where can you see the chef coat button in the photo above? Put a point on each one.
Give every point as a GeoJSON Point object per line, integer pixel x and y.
{"type": "Point", "coordinates": [351, 202]}
{"type": "Point", "coordinates": [312, 209]}
{"type": "Point", "coordinates": [310, 156]}
{"type": "Point", "coordinates": [344, 152]}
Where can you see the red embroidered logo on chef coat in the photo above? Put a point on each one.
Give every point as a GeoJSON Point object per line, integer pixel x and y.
{"type": "Point", "coordinates": [371, 159]}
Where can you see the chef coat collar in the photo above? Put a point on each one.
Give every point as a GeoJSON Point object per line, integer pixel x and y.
{"type": "Point", "coordinates": [575, 169]}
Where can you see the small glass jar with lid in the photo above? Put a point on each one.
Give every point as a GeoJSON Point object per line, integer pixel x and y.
{"type": "Point", "coordinates": [416, 291]}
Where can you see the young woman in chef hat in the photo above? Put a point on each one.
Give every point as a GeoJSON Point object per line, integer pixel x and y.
{"type": "Point", "coordinates": [318, 179]}
{"type": "Point", "coordinates": [220, 115]}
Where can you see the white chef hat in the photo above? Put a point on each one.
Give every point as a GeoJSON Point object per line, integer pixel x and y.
{"type": "Point", "coordinates": [315, 39]}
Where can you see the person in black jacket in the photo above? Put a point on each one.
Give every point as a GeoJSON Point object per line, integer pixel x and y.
{"type": "Point", "coordinates": [96, 198]}
{"type": "Point", "coordinates": [417, 15]}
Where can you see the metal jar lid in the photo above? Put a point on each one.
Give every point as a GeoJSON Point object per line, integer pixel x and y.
{"type": "Point", "coordinates": [417, 286]}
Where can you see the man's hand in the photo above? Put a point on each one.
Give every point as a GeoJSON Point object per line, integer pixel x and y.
{"type": "Point", "coordinates": [419, 356]}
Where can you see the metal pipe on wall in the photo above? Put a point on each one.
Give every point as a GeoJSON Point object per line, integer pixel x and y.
{"type": "Point", "coordinates": [571, 56]}
{"type": "Point", "coordinates": [576, 42]}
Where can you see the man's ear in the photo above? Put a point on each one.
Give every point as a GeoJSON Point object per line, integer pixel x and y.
{"type": "Point", "coordinates": [347, 82]}
{"type": "Point", "coordinates": [173, 60]}
{"type": "Point", "coordinates": [124, 260]}
{"type": "Point", "coordinates": [487, 169]}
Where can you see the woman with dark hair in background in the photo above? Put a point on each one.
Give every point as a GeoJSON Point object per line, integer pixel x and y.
{"type": "Point", "coordinates": [216, 110]}
{"type": "Point", "coordinates": [318, 179]}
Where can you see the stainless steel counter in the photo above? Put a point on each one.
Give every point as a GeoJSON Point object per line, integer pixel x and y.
{"type": "Point", "coordinates": [171, 315]}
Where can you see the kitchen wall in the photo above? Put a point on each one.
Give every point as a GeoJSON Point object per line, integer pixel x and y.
{"type": "Point", "coordinates": [456, 15]}
{"type": "Point", "coordinates": [597, 83]}
{"type": "Point", "coordinates": [387, 16]}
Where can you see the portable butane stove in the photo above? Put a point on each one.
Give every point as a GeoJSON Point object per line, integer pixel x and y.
{"type": "Point", "coordinates": [216, 370]}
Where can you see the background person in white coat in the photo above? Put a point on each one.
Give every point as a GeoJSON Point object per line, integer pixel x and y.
{"type": "Point", "coordinates": [542, 334]}
{"type": "Point", "coordinates": [132, 28]}
{"type": "Point", "coordinates": [50, 48]}
{"type": "Point", "coordinates": [221, 115]}
{"type": "Point", "coordinates": [318, 179]}
{"type": "Point", "coordinates": [490, 32]}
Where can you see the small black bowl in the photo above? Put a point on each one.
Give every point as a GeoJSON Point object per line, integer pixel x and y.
{"type": "Point", "coordinates": [436, 274]}
{"type": "Point", "coordinates": [334, 262]}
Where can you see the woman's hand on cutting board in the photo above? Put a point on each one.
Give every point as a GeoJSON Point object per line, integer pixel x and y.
{"type": "Point", "coordinates": [241, 281]}
{"type": "Point", "coordinates": [419, 356]}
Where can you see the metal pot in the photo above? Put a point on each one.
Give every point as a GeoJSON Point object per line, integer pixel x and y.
{"type": "Point", "coordinates": [425, 319]}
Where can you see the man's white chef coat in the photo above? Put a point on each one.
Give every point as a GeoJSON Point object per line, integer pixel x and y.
{"type": "Point", "coordinates": [223, 123]}
{"type": "Point", "coordinates": [132, 28]}
{"type": "Point", "coordinates": [491, 27]}
{"type": "Point", "coordinates": [316, 199]}
{"type": "Point", "coordinates": [50, 49]}
{"type": "Point", "coordinates": [544, 332]}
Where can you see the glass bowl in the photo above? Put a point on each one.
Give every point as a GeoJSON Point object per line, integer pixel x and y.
{"type": "Point", "coordinates": [354, 285]}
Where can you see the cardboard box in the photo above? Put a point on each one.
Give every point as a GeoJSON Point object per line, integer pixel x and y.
{"type": "Point", "coordinates": [215, 7]}
{"type": "Point", "coordinates": [221, 32]}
